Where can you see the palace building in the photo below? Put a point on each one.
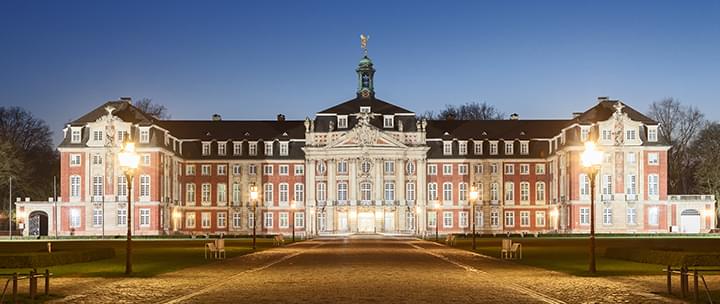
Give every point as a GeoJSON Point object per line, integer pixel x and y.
{"type": "Point", "coordinates": [364, 166]}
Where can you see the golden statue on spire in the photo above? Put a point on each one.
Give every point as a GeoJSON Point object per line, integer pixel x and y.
{"type": "Point", "coordinates": [363, 42]}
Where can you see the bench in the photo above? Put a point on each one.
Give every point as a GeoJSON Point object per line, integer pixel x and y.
{"type": "Point", "coordinates": [216, 249]}
{"type": "Point", "coordinates": [450, 240]}
{"type": "Point", "coordinates": [279, 240]}
{"type": "Point", "coordinates": [510, 250]}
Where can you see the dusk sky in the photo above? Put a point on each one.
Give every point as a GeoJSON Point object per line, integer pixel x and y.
{"type": "Point", "coordinates": [252, 60]}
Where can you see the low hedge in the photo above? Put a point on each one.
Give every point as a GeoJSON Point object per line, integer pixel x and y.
{"type": "Point", "coordinates": [34, 260]}
{"type": "Point", "coordinates": [664, 257]}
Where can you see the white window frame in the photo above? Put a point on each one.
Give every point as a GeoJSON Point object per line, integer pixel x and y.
{"type": "Point", "coordinates": [653, 158]}
{"type": "Point", "coordinates": [607, 216]}
{"type": "Point", "coordinates": [509, 218]}
{"type": "Point", "coordinates": [268, 148]}
{"type": "Point", "coordinates": [75, 160]}
{"type": "Point", "coordinates": [190, 220]}
{"type": "Point", "coordinates": [284, 148]}
{"type": "Point", "coordinates": [447, 169]}
{"type": "Point", "coordinates": [524, 218]}
{"type": "Point", "coordinates": [509, 147]}
{"type": "Point", "coordinates": [342, 121]}
{"type": "Point", "coordinates": [447, 219]}
{"type": "Point", "coordinates": [75, 218]}
{"type": "Point", "coordinates": [477, 147]}
{"type": "Point", "coordinates": [462, 169]}
{"type": "Point", "coordinates": [268, 219]}
{"type": "Point", "coordinates": [447, 147]}
{"type": "Point", "coordinates": [462, 147]}
{"type": "Point", "coordinates": [284, 170]}
{"type": "Point", "coordinates": [299, 170]}
{"type": "Point", "coordinates": [432, 169]}
{"type": "Point", "coordinates": [540, 219]}
{"type": "Point", "coordinates": [493, 148]}
{"type": "Point", "coordinates": [144, 217]}
{"type": "Point", "coordinates": [206, 149]}
{"type": "Point", "coordinates": [388, 121]}
{"type": "Point", "coordinates": [584, 213]}
{"type": "Point", "coordinates": [205, 220]}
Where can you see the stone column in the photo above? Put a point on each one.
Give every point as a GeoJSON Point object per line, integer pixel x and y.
{"type": "Point", "coordinates": [310, 195]}
{"type": "Point", "coordinates": [400, 223]}
{"type": "Point", "coordinates": [421, 194]}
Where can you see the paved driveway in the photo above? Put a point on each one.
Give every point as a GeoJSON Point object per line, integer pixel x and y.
{"type": "Point", "coordinates": [362, 270]}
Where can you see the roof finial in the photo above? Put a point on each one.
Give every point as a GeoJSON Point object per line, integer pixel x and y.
{"type": "Point", "coordinates": [618, 107]}
{"type": "Point", "coordinates": [363, 43]}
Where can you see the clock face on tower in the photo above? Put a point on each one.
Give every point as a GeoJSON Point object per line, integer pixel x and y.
{"type": "Point", "coordinates": [365, 93]}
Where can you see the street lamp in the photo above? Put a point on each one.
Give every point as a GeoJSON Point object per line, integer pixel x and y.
{"type": "Point", "coordinates": [128, 160]}
{"type": "Point", "coordinates": [437, 223]}
{"type": "Point", "coordinates": [292, 215]}
{"type": "Point", "coordinates": [473, 200]}
{"type": "Point", "coordinates": [591, 159]}
{"type": "Point", "coordinates": [253, 201]}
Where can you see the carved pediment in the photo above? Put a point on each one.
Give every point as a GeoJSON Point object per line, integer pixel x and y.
{"type": "Point", "coordinates": [366, 135]}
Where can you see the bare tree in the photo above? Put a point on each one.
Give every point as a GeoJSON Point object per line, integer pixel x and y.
{"type": "Point", "coordinates": [679, 126]}
{"type": "Point", "coordinates": [467, 111]}
{"type": "Point", "coordinates": [705, 150]}
{"type": "Point", "coordinates": [156, 110]}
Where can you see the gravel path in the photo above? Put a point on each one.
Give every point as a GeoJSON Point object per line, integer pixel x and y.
{"type": "Point", "coordinates": [358, 271]}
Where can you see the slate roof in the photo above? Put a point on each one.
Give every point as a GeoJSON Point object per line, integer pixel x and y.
{"type": "Point", "coordinates": [605, 109]}
{"type": "Point", "coordinates": [123, 110]}
{"type": "Point", "coordinates": [353, 106]}
{"type": "Point", "coordinates": [495, 129]}
{"type": "Point", "coordinates": [235, 129]}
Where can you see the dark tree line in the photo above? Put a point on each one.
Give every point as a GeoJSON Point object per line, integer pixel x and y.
{"type": "Point", "coordinates": [467, 111]}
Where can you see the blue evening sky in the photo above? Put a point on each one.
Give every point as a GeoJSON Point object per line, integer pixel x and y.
{"type": "Point", "coordinates": [252, 60]}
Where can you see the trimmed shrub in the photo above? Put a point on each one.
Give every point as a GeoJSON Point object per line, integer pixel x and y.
{"type": "Point", "coordinates": [34, 260]}
{"type": "Point", "coordinates": [664, 257]}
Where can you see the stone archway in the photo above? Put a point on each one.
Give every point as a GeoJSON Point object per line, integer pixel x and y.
{"type": "Point", "coordinates": [690, 221]}
{"type": "Point", "coordinates": [38, 223]}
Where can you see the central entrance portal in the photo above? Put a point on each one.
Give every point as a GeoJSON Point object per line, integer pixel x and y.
{"type": "Point", "coordinates": [366, 222]}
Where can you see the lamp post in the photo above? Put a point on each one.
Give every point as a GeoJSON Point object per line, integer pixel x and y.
{"type": "Point", "coordinates": [473, 200]}
{"type": "Point", "coordinates": [129, 160]}
{"type": "Point", "coordinates": [437, 225]}
{"type": "Point", "coordinates": [292, 215]}
{"type": "Point", "coordinates": [591, 160]}
{"type": "Point", "coordinates": [253, 201]}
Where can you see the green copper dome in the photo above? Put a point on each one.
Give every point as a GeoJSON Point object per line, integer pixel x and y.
{"type": "Point", "coordinates": [365, 61]}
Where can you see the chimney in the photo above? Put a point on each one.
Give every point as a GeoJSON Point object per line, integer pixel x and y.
{"type": "Point", "coordinates": [280, 117]}
{"type": "Point", "coordinates": [514, 116]}
{"type": "Point", "coordinates": [602, 98]}
{"type": "Point", "coordinates": [576, 114]}
{"type": "Point", "coordinates": [216, 117]}
{"type": "Point", "coordinates": [126, 98]}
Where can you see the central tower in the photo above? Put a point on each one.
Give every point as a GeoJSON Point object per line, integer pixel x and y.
{"type": "Point", "coordinates": [365, 71]}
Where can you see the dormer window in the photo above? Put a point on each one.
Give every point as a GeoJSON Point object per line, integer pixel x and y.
{"type": "Point", "coordinates": [493, 148]}
{"type": "Point", "coordinates": [630, 135]}
{"type": "Point", "coordinates": [75, 136]}
{"type": "Point", "coordinates": [584, 133]}
{"type": "Point", "coordinates": [388, 121]}
{"type": "Point", "coordinates": [221, 148]}
{"type": "Point", "coordinates": [447, 148]}
{"type": "Point", "coordinates": [509, 148]}
{"type": "Point", "coordinates": [252, 148]}
{"type": "Point", "coordinates": [606, 135]}
{"type": "Point", "coordinates": [477, 146]}
{"type": "Point", "coordinates": [268, 148]}
{"type": "Point", "coordinates": [524, 148]}
{"type": "Point", "coordinates": [342, 121]}
{"type": "Point", "coordinates": [364, 109]}
{"type": "Point", "coordinates": [284, 148]}
{"type": "Point", "coordinates": [205, 148]}
{"type": "Point", "coordinates": [462, 147]}
{"type": "Point", "coordinates": [144, 135]}
{"type": "Point", "coordinates": [97, 135]}
{"type": "Point", "coordinates": [237, 148]}
{"type": "Point", "coordinates": [652, 134]}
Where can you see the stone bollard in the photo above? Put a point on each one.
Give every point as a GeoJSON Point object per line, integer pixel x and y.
{"type": "Point", "coordinates": [669, 279]}
{"type": "Point", "coordinates": [47, 282]}
{"type": "Point", "coordinates": [15, 287]}
{"type": "Point", "coordinates": [49, 247]}
{"type": "Point", "coordinates": [33, 284]}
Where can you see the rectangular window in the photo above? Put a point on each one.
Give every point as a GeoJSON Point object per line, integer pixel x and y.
{"type": "Point", "coordinates": [584, 216]}
{"type": "Point", "coordinates": [75, 136]}
{"type": "Point", "coordinates": [653, 184]}
{"type": "Point", "coordinates": [284, 221]}
{"type": "Point", "coordinates": [284, 148]}
{"type": "Point", "coordinates": [321, 191]}
{"type": "Point", "coordinates": [447, 192]}
{"type": "Point", "coordinates": [122, 187]}
{"type": "Point", "coordinates": [584, 134]}
{"type": "Point", "coordinates": [252, 148]}
{"type": "Point", "coordinates": [189, 219]}
{"type": "Point", "coordinates": [237, 219]}
{"type": "Point", "coordinates": [144, 136]}
{"type": "Point", "coordinates": [122, 217]}
{"type": "Point", "coordinates": [205, 148]}
{"type": "Point", "coordinates": [539, 169]}
{"type": "Point", "coordinates": [447, 148]}
{"type": "Point", "coordinates": [237, 148]}
{"type": "Point", "coordinates": [222, 193]}
{"type": "Point", "coordinates": [540, 218]}
{"type": "Point", "coordinates": [479, 219]}
{"type": "Point", "coordinates": [97, 217]}
{"type": "Point", "coordinates": [463, 220]}
{"type": "Point", "coordinates": [284, 169]}
{"type": "Point", "coordinates": [342, 167]}
{"type": "Point", "coordinates": [389, 167]}
{"type": "Point", "coordinates": [631, 184]}
{"type": "Point", "coordinates": [631, 157]}
{"type": "Point", "coordinates": [283, 193]}
{"type": "Point", "coordinates": [432, 169]}
{"type": "Point", "coordinates": [190, 193]}
{"type": "Point", "coordinates": [462, 148]}
{"type": "Point", "coordinates": [299, 192]}
{"type": "Point", "coordinates": [252, 169]}
{"type": "Point", "coordinates": [268, 193]}
{"type": "Point", "coordinates": [631, 135]}
{"type": "Point", "coordinates": [222, 219]}
{"type": "Point", "coordinates": [477, 147]}
{"type": "Point", "coordinates": [509, 192]}
{"type": "Point", "coordinates": [606, 135]}
{"type": "Point", "coordinates": [524, 148]}
{"type": "Point", "coordinates": [653, 216]}
{"type": "Point", "coordinates": [74, 160]}
{"type": "Point", "coordinates": [447, 169]}
{"type": "Point", "coordinates": [299, 220]}
{"type": "Point", "coordinates": [205, 170]}
{"type": "Point", "coordinates": [653, 158]}
{"type": "Point", "coordinates": [509, 169]}
{"type": "Point", "coordinates": [525, 192]}
{"type": "Point", "coordinates": [267, 170]}
{"type": "Point", "coordinates": [652, 135]}
{"type": "Point", "coordinates": [97, 189]}
{"type": "Point", "coordinates": [607, 184]}
{"type": "Point", "coordinates": [432, 191]}
{"type": "Point", "coordinates": [432, 219]}
{"type": "Point", "coordinates": [205, 195]}
{"type": "Point", "coordinates": [221, 148]}
{"type": "Point", "coordinates": [584, 186]}
{"type": "Point", "coordinates": [74, 218]}
{"type": "Point", "coordinates": [447, 219]}
{"type": "Point", "coordinates": [509, 219]}
{"type": "Point", "coordinates": [478, 168]}
{"type": "Point", "coordinates": [509, 148]}
{"type": "Point", "coordinates": [493, 148]}
{"type": "Point", "coordinates": [342, 121]}
{"type": "Point", "coordinates": [342, 191]}
{"type": "Point", "coordinates": [410, 191]}
{"type": "Point", "coordinates": [299, 170]}
{"type": "Point", "coordinates": [205, 220]}
{"type": "Point", "coordinates": [388, 121]}
{"type": "Point", "coordinates": [221, 170]}
{"type": "Point", "coordinates": [540, 192]}
{"type": "Point", "coordinates": [189, 170]}
{"type": "Point", "coordinates": [524, 218]}
{"type": "Point", "coordinates": [462, 169]}
{"type": "Point", "coordinates": [268, 223]}
{"type": "Point", "coordinates": [631, 216]}
{"type": "Point", "coordinates": [237, 170]}
{"type": "Point", "coordinates": [524, 169]}
{"type": "Point", "coordinates": [607, 216]}
{"type": "Point", "coordinates": [251, 220]}
{"type": "Point", "coordinates": [494, 194]}
{"type": "Point", "coordinates": [494, 168]}
{"type": "Point", "coordinates": [494, 218]}
{"type": "Point", "coordinates": [389, 191]}
{"type": "Point", "coordinates": [144, 186]}
{"type": "Point", "coordinates": [236, 194]}
{"type": "Point", "coordinates": [268, 149]}
{"type": "Point", "coordinates": [97, 160]}
{"type": "Point", "coordinates": [462, 192]}
{"type": "Point", "coordinates": [144, 217]}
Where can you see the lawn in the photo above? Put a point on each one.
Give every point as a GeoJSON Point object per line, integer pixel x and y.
{"type": "Point", "coordinates": [571, 254]}
{"type": "Point", "coordinates": [150, 256]}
